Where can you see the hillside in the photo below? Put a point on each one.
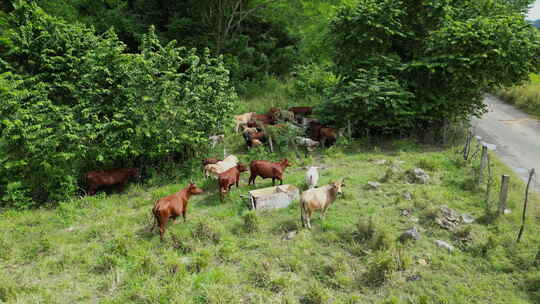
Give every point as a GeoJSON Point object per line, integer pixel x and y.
{"type": "Point", "coordinates": [98, 249]}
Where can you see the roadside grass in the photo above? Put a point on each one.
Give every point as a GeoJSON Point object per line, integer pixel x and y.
{"type": "Point", "coordinates": [98, 249]}
{"type": "Point", "coordinates": [525, 97]}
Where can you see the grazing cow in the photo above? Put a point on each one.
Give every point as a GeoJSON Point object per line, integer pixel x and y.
{"type": "Point", "coordinates": [220, 167]}
{"type": "Point", "coordinates": [249, 129]}
{"type": "Point", "coordinates": [265, 119]}
{"type": "Point", "coordinates": [301, 111]}
{"type": "Point", "coordinates": [251, 137]}
{"type": "Point", "coordinates": [209, 161]}
{"type": "Point", "coordinates": [273, 111]}
{"type": "Point", "coordinates": [253, 124]}
{"type": "Point", "coordinates": [229, 178]}
{"type": "Point", "coordinates": [266, 169]}
{"type": "Point", "coordinates": [242, 119]}
{"type": "Point", "coordinates": [306, 142]}
{"type": "Point", "coordinates": [306, 121]}
{"type": "Point", "coordinates": [325, 135]}
{"type": "Point", "coordinates": [312, 177]}
{"type": "Point", "coordinates": [285, 115]}
{"type": "Point", "coordinates": [215, 139]}
{"type": "Point", "coordinates": [318, 199]}
{"type": "Point", "coordinates": [172, 206]}
{"type": "Point", "coordinates": [119, 177]}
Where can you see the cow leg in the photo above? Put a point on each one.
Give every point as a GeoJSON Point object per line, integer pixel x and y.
{"type": "Point", "coordinates": [273, 181]}
{"type": "Point", "coordinates": [280, 181]}
{"type": "Point", "coordinates": [92, 190]}
{"type": "Point", "coordinates": [121, 186]}
{"type": "Point", "coordinates": [184, 215]}
{"type": "Point", "coordinates": [162, 224]}
{"type": "Point", "coordinates": [252, 179]}
{"type": "Point", "coordinates": [308, 218]}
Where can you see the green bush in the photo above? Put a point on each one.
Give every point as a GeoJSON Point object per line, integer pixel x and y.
{"type": "Point", "coordinates": [435, 60]}
{"type": "Point", "coordinates": [73, 101]}
{"type": "Point", "coordinates": [314, 80]}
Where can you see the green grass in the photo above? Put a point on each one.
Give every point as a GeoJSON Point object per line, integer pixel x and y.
{"type": "Point", "coordinates": [98, 249]}
{"type": "Point", "coordinates": [525, 97]}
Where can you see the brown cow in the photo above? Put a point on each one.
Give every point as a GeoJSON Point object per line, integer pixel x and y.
{"type": "Point", "coordinates": [265, 119]}
{"type": "Point", "coordinates": [302, 111]}
{"type": "Point", "coordinates": [266, 169]}
{"type": "Point", "coordinates": [172, 206]}
{"type": "Point", "coordinates": [325, 135]}
{"type": "Point", "coordinates": [229, 178]}
{"type": "Point", "coordinates": [119, 177]}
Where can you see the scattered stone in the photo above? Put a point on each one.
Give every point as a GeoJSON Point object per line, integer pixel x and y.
{"type": "Point", "coordinates": [290, 235]}
{"type": "Point", "coordinates": [406, 195]}
{"type": "Point", "coordinates": [418, 176]}
{"type": "Point", "coordinates": [374, 185]}
{"type": "Point", "coordinates": [467, 219]}
{"type": "Point", "coordinates": [507, 211]}
{"type": "Point", "coordinates": [414, 219]}
{"type": "Point", "coordinates": [444, 245]}
{"type": "Point", "coordinates": [71, 228]}
{"type": "Point", "coordinates": [411, 234]}
{"type": "Point", "coordinates": [414, 277]}
{"type": "Point", "coordinates": [479, 138]}
{"type": "Point", "coordinates": [448, 218]}
{"type": "Point", "coordinates": [405, 212]}
{"type": "Point", "coordinates": [380, 161]}
{"type": "Point", "coordinates": [422, 262]}
{"type": "Point", "coordinates": [185, 260]}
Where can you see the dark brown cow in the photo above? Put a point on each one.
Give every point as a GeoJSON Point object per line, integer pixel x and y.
{"type": "Point", "coordinates": [229, 178]}
{"type": "Point", "coordinates": [251, 137]}
{"type": "Point", "coordinates": [325, 135]}
{"type": "Point", "coordinates": [266, 169]}
{"type": "Point", "coordinates": [172, 206]}
{"type": "Point", "coordinates": [265, 119]}
{"type": "Point", "coordinates": [119, 177]}
{"type": "Point", "coordinates": [302, 111]}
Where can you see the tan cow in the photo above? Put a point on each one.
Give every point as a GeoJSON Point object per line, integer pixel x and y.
{"type": "Point", "coordinates": [220, 167]}
{"type": "Point", "coordinates": [242, 119]}
{"type": "Point", "coordinates": [318, 199]}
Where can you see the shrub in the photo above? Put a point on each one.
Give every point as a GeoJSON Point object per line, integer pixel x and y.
{"type": "Point", "coordinates": [252, 222]}
{"type": "Point", "coordinates": [73, 101]}
{"type": "Point", "coordinates": [314, 80]}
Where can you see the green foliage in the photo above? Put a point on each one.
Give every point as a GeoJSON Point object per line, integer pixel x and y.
{"type": "Point", "coordinates": [252, 222]}
{"type": "Point", "coordinates": [314, 80]}
{"type": "Point", "coordinates": [74, 101]}
{"type": "Point", "coordinates": [372, 101]}
{"type": "Point", "coordinates": [525, 97]}
{"type": "Point", "coordinates": [445, 53]}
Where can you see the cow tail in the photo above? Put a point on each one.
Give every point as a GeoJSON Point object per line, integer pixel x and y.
{"type": "Point", "coordinates": [302, 211]}
{"type": "Point", "coordinates": [155, 221]}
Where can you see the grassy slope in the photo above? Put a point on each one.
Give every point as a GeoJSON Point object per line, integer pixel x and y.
{"type": "Point", "coordinates": [525, 97]}
{"type": "Point", "coordinates": [98, 248]}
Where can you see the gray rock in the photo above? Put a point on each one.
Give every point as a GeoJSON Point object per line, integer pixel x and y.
{"type": "Point", "coordinates": [420, 177]}
{"type": "Point", "coordinates": [411, 234]}
{"type": "Point", "coordinates": [374, 185]}
{"type": "Point", "coordinates": [467, 219]}
{"type": "Point", "coordinates": [380, 162]}
{"type": "Point", "coordinates": [406, 195]}
{"type": "Point", "coordinates": [507, 211]}
{"type": "Point", "coordinates": [444, 245]}
{"type": "Point", "coordinates": [290, 235]}
{"type": "Point", "coordinates": [413, 219]}
{"type": "Point", "coordinates": [490, 147]}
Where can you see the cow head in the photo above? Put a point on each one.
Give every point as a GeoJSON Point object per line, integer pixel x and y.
{"type": "Point", "coordinates": [136, 173]}
{"type": "Point", "coordinates": [338, 187]}
{"type": "Point", "coordinates": [285, 163]}
{"type": "Point", "coordinates": [241, 167]}
{"type": "Point", "coordinates": [193, 189]}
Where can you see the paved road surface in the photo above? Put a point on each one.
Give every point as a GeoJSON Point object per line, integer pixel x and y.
{"type": "Point", "coordinates": [516, 134]}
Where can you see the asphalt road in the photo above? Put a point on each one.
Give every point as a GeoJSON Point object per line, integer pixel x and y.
{"type": "Point", "coordinates": [516, 135]}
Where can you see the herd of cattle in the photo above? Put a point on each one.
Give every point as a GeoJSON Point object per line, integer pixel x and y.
{"type": "Point", "coordinates": [228, 171]}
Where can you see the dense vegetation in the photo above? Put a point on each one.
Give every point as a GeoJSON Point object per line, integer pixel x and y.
{"type": "Point", "coordinates": [104, 84]}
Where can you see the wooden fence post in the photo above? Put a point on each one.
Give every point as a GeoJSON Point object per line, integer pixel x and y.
{"type": "Point", "coordinates": [489, 183]}
{"type": "Point", "coordinates": [271, 144]}
{"type": "Point", "coordinates": [467, 147]}
{"type": "Point", "coordinates": [531, 174]}
{"type": "Point", "coordinates": [483, 162]}
{"type": "Point", "coordinates": [503, 196]}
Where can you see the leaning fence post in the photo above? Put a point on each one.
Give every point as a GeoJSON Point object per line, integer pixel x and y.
{"type": "Point", "coordinates": [349, 130]}
{"type": "Point", "coordinates": [271, 144]}
{"type": "Point", "coordinates": [467, 147]}
{"type": "Point", "coordinates": [489, 183]}
{"type": "Point", "coordinates": [531, 174]}
{"type": "Point", "coordinates": [483, 162]}
{"type": "Point", "coordinates": [503, 196]}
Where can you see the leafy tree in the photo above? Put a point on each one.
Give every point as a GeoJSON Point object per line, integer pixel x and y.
{"type": "Point", "coordinates": [74, 101]}
{"type": "Point", "coordinates": [446, 53]}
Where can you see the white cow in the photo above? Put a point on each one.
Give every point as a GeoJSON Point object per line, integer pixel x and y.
{"type": "Point", "coordinates": [312, 177]}
{"type": "Point", "coordinates": [220, 167]}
